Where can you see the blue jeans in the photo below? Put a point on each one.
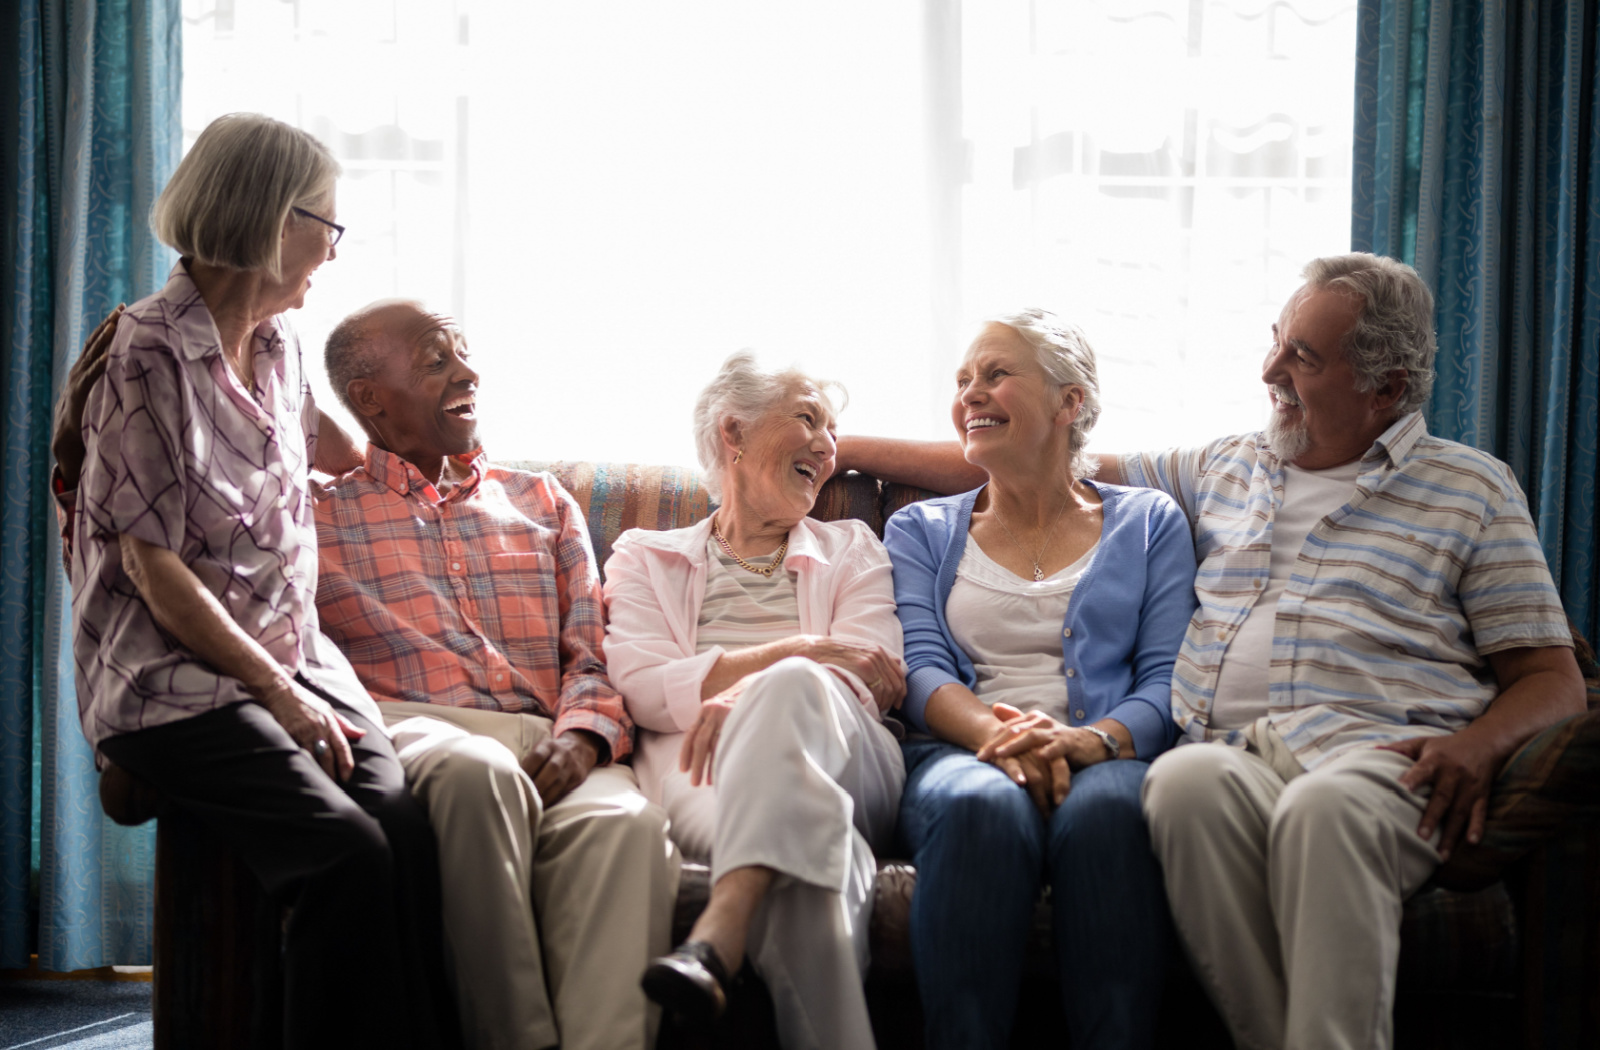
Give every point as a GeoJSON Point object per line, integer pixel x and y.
{"type": "Point", "coordinates": [982, 851]}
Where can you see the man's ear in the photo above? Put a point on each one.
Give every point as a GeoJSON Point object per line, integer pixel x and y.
{"type": "Point", "coordinates": [1392, 389]}
{"type": "Point", "coordinates": [363, 394]}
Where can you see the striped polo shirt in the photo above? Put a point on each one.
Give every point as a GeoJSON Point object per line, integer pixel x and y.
{"type": "Point", "coordinates": [1392, 604]}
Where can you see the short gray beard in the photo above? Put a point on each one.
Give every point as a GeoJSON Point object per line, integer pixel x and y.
{"type": "Point", "coordinates": [1289, 440]}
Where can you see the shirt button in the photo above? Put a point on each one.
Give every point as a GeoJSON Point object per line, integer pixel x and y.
{"type": "Point", "coordinates": [1072, 672]}
{"type": "Point", "coordinates": [1411, 537]}
{"type": "Point", "coordinates": [1078, 714]}
{"type": "Point", "coordinates": [1066, 632]}
{"type": "Point", "coordinates": [499, 677]}
{"type": "Point", "coordinates": [455, 566]}
{"type": "Point", "coordinates": [1256, 584]}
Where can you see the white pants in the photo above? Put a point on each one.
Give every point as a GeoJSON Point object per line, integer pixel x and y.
{"type": "Point", "coordinates": [806, 781]}
{"type": "Point", "coordinates": [600, 871]}
{"type": "Point", "coordinates": [1286, 885]}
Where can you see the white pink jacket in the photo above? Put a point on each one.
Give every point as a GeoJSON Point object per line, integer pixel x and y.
{"type": "Point", "coordinates": [655, 584]}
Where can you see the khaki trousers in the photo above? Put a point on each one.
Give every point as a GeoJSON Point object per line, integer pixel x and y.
{"type": "Point", "coordinates": [600, 871]}
{"type": "Point", "coordinates": [806, 781]}
{"type": "Point", "coordinates": [1286, 885]}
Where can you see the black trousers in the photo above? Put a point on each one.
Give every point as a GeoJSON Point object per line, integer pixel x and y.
{"type": "Point", "coordinates": [364, 951]}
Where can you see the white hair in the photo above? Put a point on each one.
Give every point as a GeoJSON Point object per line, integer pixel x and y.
{"type": "Point", "coordinates": [742, 392]}
{"type": "Point", "coordinates": [227, 203]}
{"type": "Point", "coordinates": [1063, 351]}
{"type": "Point", "coordinates": [1394, 331]}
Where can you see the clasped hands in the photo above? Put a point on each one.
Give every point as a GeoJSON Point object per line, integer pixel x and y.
{"type": "Point", "coordinates": [1040, 754]}
{"type": "Point", "coordinates": [879, 671]}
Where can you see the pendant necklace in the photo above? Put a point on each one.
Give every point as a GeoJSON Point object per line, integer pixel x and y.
{"type": "Point", "coordinates": [1038, 571]}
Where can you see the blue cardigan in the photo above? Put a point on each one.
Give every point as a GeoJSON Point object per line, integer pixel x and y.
{"type": "Point", "coordinates": [1127, 617]}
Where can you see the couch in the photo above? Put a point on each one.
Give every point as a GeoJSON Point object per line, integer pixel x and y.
{"type": "Point", "coordinates": [1501, 949]}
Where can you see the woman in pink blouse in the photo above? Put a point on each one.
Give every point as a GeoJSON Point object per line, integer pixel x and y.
{"type": "Point", "coordinates": [758, 652]}
{"type": "Point", "coordinates": [200, 666]}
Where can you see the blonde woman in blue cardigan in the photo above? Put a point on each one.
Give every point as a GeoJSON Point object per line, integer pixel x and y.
{"type": "Point", "coordinates": [1042, 616]}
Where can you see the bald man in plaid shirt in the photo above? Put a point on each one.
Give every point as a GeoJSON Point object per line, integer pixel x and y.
{"type": "Point", "coordinates": [466, 597]}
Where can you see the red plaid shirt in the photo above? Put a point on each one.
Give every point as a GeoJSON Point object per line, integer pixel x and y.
{"type": "Point", "coordinates": [488, 597]}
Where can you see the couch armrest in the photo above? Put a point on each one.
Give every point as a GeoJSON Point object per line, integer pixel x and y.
{"type": "Point", "coordinates": [1549, 788]}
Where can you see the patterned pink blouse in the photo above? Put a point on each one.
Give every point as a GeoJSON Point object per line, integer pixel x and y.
{"type": "Point", "coordinates": [182, 456]}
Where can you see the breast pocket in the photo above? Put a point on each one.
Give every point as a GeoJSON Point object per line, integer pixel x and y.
{"type": "Point", "coordinates": [521, 601]}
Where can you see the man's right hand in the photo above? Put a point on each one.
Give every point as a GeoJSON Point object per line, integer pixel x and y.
{"type": "Point", "coordinates": [66, 440]}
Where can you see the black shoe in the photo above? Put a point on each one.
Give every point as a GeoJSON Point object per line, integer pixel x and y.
{"type": "Point", "coordinates": [691, 982]}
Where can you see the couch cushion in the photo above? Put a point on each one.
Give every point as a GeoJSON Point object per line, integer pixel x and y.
{"type": "Point", "coordinates": [1459, 942]}
{"type": "Point", "coordinates": [616, 497]}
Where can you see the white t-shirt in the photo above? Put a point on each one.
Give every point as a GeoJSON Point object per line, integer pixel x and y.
{"type": "Point", "coordinates": [1308, 497]}
{"type": "Point", "coordinates": [1010, 628]}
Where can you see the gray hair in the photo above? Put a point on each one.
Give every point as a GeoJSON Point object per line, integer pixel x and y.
{"type": "Point", "coordinates": [1063, 351]}
{"type": "Point", "coordinates": [227, 203]}
{"type": "Point", "coordinates": [352, 352]}
{"type": "Point", "coordinates": [1394, 330]}
{"type": "Point", "coordinates": [743, 392]}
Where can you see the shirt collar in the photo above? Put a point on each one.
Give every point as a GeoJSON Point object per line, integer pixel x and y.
{"type": "Point", "coordinates": [403, 478]}
{"type": "Point", "coordinates": [691, 542]}
{"type": "Point", "coordinates": [181, 291]}
{"type": "Point", "coordinates": [1401, 437]}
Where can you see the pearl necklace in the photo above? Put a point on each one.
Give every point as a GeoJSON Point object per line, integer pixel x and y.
{"type": "Point", "coordinates": [777, 557]}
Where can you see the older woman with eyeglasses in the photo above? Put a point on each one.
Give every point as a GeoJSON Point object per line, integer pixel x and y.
{"type": "Point", "coordinates": [758, 652]}
{"type": "Point", "coordinates": [1042, 615]}
{"type": "Point", "coordinates": [200, 666]}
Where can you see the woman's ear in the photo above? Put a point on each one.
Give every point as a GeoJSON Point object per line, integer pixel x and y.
{"type": "Point", "coordinates": [732, 432]}
{"type": "Point", "coordinates": [1071, 405]}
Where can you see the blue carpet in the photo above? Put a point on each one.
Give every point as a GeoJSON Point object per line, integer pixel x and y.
{"type": "Point", "coordinates": [82, 1015]}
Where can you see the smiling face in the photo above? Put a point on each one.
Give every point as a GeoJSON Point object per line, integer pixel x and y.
{"type": "Point", "coordinates": [1007, 410]}
{"type": "Point", "coordinates": [421, 403]}
{"type": "Point", "coordinates": [304, 248]}
{"type": "Point", "coordinates": [787, 454]}
{"type": "Point", "coordinates": [1320, 417]}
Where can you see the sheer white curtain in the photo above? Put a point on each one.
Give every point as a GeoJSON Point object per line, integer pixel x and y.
{"type": "Point", "coordinates": [612, 196]}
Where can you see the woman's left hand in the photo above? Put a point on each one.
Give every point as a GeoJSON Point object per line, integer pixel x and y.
{"type": "Point", "coordinates": [1047, 739]}
{"type": "Point", "coordinates": [700, 741]}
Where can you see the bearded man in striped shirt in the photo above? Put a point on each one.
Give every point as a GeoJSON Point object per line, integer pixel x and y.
{"type": "Point", "coordinates": [467, 599]}
{"type": "Point", "coordinates": [1377, 634]}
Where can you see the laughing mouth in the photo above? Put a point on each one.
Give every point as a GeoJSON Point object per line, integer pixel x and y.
{"type": "Point", "coordinates": [806, 470]}
{"type": "Point", "coordinates": [462, 407]}
{"type": "Point", "coordinates": [983, 423]}
{"type": "Point", "coordinates": [1284, 396]}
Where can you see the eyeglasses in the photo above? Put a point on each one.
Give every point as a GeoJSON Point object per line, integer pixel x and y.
{"type": "Point", "coordinates": [335, 231]}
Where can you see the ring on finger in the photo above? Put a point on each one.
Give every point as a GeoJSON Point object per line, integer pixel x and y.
{"type": "Point", "coordinates": [320, 748]}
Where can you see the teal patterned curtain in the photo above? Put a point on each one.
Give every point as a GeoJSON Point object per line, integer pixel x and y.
{"type": "Point", "coordinates": [1477, 160]}
{"type": "Point", "coordinates": [90, 134]}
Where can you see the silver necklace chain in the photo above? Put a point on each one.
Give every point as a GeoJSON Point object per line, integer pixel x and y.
{"type": "Point", "coordinates": [1038, 572]}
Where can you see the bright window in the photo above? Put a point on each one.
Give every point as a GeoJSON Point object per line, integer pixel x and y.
{"type": "Point", "coordinates": [613, 196]}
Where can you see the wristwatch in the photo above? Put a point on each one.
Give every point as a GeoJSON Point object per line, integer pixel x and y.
{"type": "Point", "coordinates": [1113, 749]}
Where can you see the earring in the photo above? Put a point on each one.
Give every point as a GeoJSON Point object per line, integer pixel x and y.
{"type": "Point", "coordinates": [738, 455]}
